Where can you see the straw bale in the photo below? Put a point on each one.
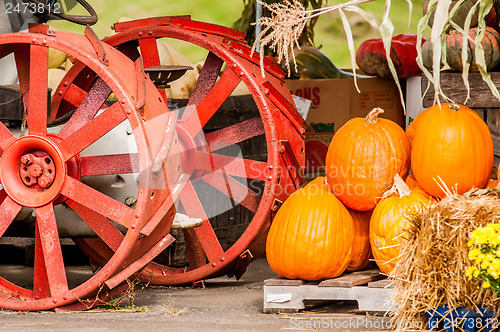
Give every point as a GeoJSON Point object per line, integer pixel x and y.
{"type": "Point", "coordinates": [433, 259]}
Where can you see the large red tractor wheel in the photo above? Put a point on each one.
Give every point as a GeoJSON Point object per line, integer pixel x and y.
{"type": "Point", "coordinates": [206, 160]}
{"type": "Point", "coordinates": [44, 168]}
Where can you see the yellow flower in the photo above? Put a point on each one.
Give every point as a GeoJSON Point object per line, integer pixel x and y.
{"type": "Point", "coordinates": [473, 253]}
{"type": "Point", "coordinates": [476, 273]}
{"type": "Point", "coordinates": [480, 239]}
{"type": "Point", "coordinates": [470, 270]}
{"type": "Point", "coordinates": [486, 284]}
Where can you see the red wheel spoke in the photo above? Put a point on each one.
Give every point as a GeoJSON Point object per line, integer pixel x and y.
{"type": "Point", "coordinates": [235, 134]}
{"type": "Point", "coordinates": [235, 166]}
{"type": "Point", "coordinates": [22, 57]}
{"type": "Point", "coordinates": [92, 131]}
{"type": "Point", "coordinates": [110, 164]}
{"type": "Point", "coordinates": [6, 137]}
{"type": "Point", "coordinates": [8, 211]}
{"type": "Point", "coordinates": [38, 80]}
{"type": "Point", "coordinates": [208, 76]}
{"type": "Point", "coordinates": [101, 225]}
{"type": "Point", "coordinates": [211, 103]}
{"type": "Point", "coordinates": [97, 201]}
{"type": "Point", "coordinates": [194, 249]}
{"type": "Point", "coordinates": [204, 233]}
{"type": "Point", "coordinates": [51, 249]}
{"type": "Point", "coordinates": [150, 57]}
{"type": "Point", "coordinates": [41, 287]}
{"type": "Point", "coordinates": [149, 52]}
{"type": "Point", "coordinates": [89, 107]}
{"type": "Point", "coordinates": [238, 192]}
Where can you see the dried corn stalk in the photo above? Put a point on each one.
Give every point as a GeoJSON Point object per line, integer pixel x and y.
{"type": "Point", "coordinates": [282, 30]}
{"type": "Point", "coordinates": [443, 12]}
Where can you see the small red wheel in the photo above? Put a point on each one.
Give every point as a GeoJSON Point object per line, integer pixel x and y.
{"type": "Point", "coordinates": [253, 185]}
{"type": "Point", "coordinates": [44, 169]}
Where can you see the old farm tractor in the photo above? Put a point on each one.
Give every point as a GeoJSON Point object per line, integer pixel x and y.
{"type": "Point", "coordinates": [129, 178]}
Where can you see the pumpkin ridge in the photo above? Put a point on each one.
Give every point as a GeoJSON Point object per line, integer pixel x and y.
{"type": "Point", "coordinates": [282, 259]}
{"type": "Point", "coordinates": [473, 153]}
{"type": "Point", "coordinates": [316, 232]}
{"type": "Point", "coordinates": [394, 151]}
{"type": "Point", "coordinates": [293, 233]}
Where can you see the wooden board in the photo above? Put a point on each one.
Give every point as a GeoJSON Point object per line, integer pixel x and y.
{"type": "Point", "coordinates": [453, 87]}
{"type": "Point", "coordinates": [353, 279]}
{"type": "Point", "coordinates": [372, 294]}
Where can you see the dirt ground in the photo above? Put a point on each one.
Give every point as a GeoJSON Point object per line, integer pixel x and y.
{"type": "Point", "coordinates": [224, 304]}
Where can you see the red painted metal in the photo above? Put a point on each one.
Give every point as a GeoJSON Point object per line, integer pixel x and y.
{"type": "Point", "coordinates": [278, 121]}
{"type": "Point", "coordinates": [37, 170]}
{"type": "Point", "coordinates": [53, 161]}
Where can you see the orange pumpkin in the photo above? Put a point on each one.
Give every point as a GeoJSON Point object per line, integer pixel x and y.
{"type": "Point", "coordinates": [311, 235]}
{"type": "Point", "coordinates": [411, 182]}
{"type": "Point", "coordinates": [388, 222]}
{"type": "Point", "coordinates": [361, 250]}
{"type": "Point", "coordinates": [363, 157]}
{"type": "Point", "coordinates": [453, 146]}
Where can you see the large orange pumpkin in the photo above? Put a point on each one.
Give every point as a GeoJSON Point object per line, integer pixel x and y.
{"type": "Point", "coordinates": [361, 250]}
{"type": "Point", "coordinates": [451, 144]}
{"type": "Point", "coordinates": [311, 236]}
{"type": "Point", "coordinates": [363, 157]}
{"type": "Point", "coordinates": [411, 182]}
{"type": "Point", "coordinates": [388, 222]}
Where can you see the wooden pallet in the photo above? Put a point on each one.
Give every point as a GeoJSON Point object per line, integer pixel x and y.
{"type": "Point", "coordinates": [369, 288]}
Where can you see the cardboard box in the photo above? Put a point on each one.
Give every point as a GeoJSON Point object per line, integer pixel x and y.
{"type": "Point", "coordinates": [333, 103]}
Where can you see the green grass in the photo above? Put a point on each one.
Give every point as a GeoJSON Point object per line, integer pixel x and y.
{"type": "Point", "coordinates": [330, 35]}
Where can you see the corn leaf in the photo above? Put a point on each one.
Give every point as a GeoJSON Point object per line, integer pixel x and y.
{"type": "Point", "coordinates": [350, 44]}
{"type": "Point", "coordinates": [484, 9]}
{"type": "Point", "coordinates": [465, 49]}
{"type": "Point", "coordinates": [410, 10]}
{"type": "Point", "coordinates": [439, 25]}
{"type": "Point", "coordinates": [386, 31]}
{"type": "Point", "coordinates": [368, 17]}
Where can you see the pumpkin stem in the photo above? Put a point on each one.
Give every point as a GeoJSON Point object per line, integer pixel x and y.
{"type": "Point", "coordinates": [372, 117]}
{"type": "Point", "coordinates": [454, 107]}
{"type": "Point", "coordinates": [399, 187]}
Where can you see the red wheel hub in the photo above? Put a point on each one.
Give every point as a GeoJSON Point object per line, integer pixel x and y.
{"type": "Point", "coordinates": [32, 170]}
{"type": "Point", "coordinates": [37, 170]}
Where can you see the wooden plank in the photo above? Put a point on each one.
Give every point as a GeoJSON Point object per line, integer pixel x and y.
{"type": "Point", "coordinates": [453, 87]}
{"type": "Point", "coordinates": [493, 120]}
{"type": "Point", "coordinates": [291, 298]}
{"type": "Point", "coordinates": [353, 279]}
{"type": "Point", "coordinates": [283, 282]}
{"type": "Point", "coordinates": [385, 283]}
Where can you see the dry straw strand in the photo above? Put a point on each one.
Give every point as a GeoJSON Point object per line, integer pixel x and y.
{"type": "Point", "coordinates": [281, 31]}
{"type": "Point", "coordinates": [434, 257]}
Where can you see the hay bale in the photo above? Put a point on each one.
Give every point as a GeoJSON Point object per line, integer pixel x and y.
{"type": "Point", "coordinates": [433, 259]}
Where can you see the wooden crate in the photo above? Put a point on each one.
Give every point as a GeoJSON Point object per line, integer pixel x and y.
{"type": "Point", "coordinates": [481, 99]}
{"type": "Point", "coordinates": [369, 288]}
